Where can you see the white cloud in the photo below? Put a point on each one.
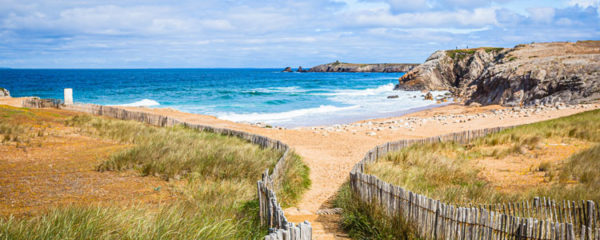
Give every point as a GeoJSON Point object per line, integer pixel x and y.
{"type": "Point", "coordinates": [545, 15]}
{"type": "Point", "coordinates": [217, 24]}
{"type": "Point", "coordinates": [585, 3]}
{"type": "Point", "coordinates": [408, 5]}
{"type": "Point", "coordinates": [459, 18]}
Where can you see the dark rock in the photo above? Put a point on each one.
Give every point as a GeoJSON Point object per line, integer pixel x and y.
{"type": "Point", "coordinates": [428, 96]}
{"type": "Point", "coordinates": [393, 96]}
{"type": "Point", "coordinates": [301, 70]}
{"type": "Point", "coordinates": [540, 73]}
{"type": "Point", "coordinates": [4, 92]}
{"type": "Point", "coordinates": [287, 69]}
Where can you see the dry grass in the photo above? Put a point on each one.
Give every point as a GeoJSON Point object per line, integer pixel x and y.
{"type": "Point", "coordinates": [216, 199]}
{"type": "Point", "coordinates": [368, 221]}
{"type": "Point", "coordinates": [178, 152]}
{"type": "Point", "coordinates": [452, 172]}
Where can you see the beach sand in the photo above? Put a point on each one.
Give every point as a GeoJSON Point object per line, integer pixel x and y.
{"type": "Point", "coordinates": [332, 151]}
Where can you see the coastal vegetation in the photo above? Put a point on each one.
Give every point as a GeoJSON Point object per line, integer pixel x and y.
{"type": "Point", "coordinates": [210, 178]}
{"type": "Point", "coordinates": [462, 53]}
{"type": "Point", "coordinates": [553, 158]}
{"type": "Point", "coordinates": [556, 159]}
{"type": "Point", "coordinates": [369, 221]}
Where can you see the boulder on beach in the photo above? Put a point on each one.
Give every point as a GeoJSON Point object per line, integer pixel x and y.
{"type": "Point", "coordinates": [4, 92]}
{"type": "Point", "coordinates": [428, 96]}
{"type": "Point", "coordinates": [287, 69]}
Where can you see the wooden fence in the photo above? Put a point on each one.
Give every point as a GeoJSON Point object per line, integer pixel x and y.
{"type": "Point", "coordinates": [42, 103]}
{"type": "Point", "coordinates": [540, 218]}
{"type": "Point", "coordinates": [271, 213]}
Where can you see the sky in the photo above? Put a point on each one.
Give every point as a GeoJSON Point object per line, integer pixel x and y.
{"type": "Point", "coordinates": [274, 33]}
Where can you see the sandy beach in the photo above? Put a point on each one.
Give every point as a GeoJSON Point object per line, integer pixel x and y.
{"type": "Point", "coordinates": [331, 151]}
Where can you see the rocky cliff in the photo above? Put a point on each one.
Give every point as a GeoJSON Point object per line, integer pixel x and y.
{"type": "Point", "coordinates": [537, 73]}
{"type": "Point", "coordinates": [354, 67]}
{"type": "Point", "coordinates": [4, 92]}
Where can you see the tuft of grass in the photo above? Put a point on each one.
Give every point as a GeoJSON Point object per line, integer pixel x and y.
{"type": "Point", "coordinates": [295, 182]}
{"type": "Point", "coordinates": [368, 221]}
{"type": "Point", "coordinates": [544, 166]}
{"type": "Point", "coordinates": [493, 49]}
{"type": "Point", "coordinates": [448, 171]}
{"type": "Point", "coordinates": [460, 53]}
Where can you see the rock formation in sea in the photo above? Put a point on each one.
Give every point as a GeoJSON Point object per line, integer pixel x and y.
{"type": "Point", "coordinates": [300, 69]}
{"type": "Point", "coordinates": [287, 69]}
{"type": "Point", "coordinates": [4, 92]}
{"type": "Point", "coordinates": [355, 67]}
{"type": "Point", "coordinates": [537, 73]}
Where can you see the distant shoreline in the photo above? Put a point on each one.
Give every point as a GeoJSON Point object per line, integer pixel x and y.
{"type": "Point", "coordinates": [358, 67]}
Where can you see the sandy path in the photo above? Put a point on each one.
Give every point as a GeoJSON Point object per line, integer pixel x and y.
{"type": "Point", "coordinates": [331, 152]}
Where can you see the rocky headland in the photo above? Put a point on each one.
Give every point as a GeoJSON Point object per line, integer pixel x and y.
{"type": "Point", "coordinates": [528, 74]}
{"type": "Point", "coordinates": [355, 67]}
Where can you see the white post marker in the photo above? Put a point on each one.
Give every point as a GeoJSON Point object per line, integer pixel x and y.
{"type": "Point", "coordinates": [68, 96]}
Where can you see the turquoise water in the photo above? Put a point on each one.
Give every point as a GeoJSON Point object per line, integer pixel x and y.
{"type": "Point", "coordinates": [243, 95]}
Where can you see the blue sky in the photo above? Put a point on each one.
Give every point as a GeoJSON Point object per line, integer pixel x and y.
{"type": "Point", "coordinates": [274, 33]}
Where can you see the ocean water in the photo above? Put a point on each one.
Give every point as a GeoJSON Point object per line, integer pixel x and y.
{"type": "Point", "coordinates": [242, 95]}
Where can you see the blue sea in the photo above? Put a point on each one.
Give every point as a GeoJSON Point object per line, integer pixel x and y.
{"type": "Point", "coordinates": [242, 95]}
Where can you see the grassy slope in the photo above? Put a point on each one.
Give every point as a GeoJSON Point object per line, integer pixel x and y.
{"type": "Point", "coordinates": [218, 201]}
{"type": "Point", "coordinates": [462, 53]}
{"type": "Point", "coordinates": [446, 171]}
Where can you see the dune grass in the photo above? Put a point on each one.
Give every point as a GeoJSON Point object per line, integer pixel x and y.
{"type": "Point", "coordinates": [368, 221]}
{"type": "Point", "coordinates": [177, 152]}
{"type": "Point", "coordinates": [448, 170]}
{"type": "Point", "coordinates": [295, 182]}
{"type": "Point", "coordinates": [217, 201]}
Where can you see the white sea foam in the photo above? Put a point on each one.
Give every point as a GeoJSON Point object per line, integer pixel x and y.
{"type": "Point", "coordinates": [361, 92]}
{"type": "Point", "coordinates": [282, 116]}
{"type": "Point", "coordinates": [293, 89]}
{"type": "Point", "coordinates": [142, 103]}
{"type": "Point", "coordinates": [359, 104]}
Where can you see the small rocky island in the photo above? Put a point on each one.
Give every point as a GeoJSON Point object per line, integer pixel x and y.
{"type": "Point", "coordinates": [528, 74]}
{"type": "Point", "coordinates": [338, 66]}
